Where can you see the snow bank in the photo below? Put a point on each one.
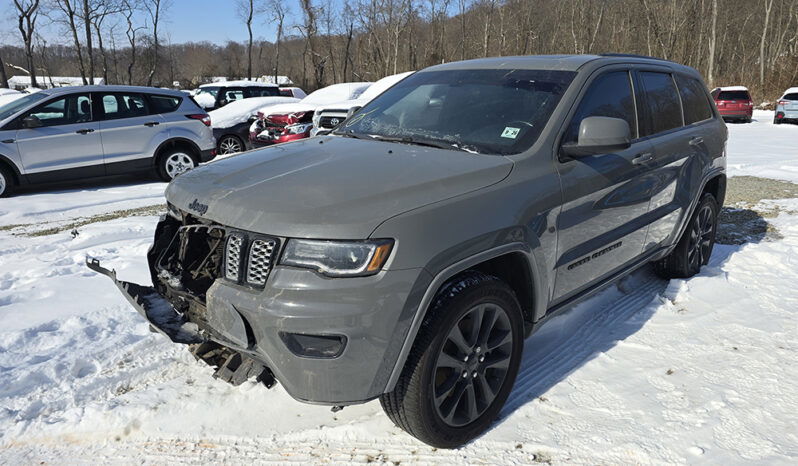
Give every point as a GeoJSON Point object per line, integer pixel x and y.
{"type": "Point", "coordinates": [240, 110]}
{"type": "Point", "coordinates": [646, 372]}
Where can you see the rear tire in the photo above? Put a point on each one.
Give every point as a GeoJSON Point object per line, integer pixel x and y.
{"type": "Point", "coordinates": [6, 182]}
{"type": "Point", "coordinates": [776, 121]}
{"type": "Point", "coordinates": [696, 243]}
{"type": "Point", "coordinates": [174, 162]}
{"type": "Point", "coordinates": [463, 363]}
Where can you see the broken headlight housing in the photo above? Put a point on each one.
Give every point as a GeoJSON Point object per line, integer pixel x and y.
{"type": "Point", "coordinates": [338, 258]}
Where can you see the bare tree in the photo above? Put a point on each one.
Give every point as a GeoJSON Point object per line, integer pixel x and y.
{"type": "Point", "coordinates": [27, 14]}
{"type": "Point", "coordinates": [69, 18]}
{"type": "Point", "coordinates": [3, 76]}
{"type": "Point", "coordinates": [765, 24]}
{"type": "Point", "coordinates": [279, 11]}
{"type": "Point", "coordinates": [129, 8]}
{"type": "Point", "coordinates": [155, 9]}
{"type": "Point", "coordinates": [245, 9]}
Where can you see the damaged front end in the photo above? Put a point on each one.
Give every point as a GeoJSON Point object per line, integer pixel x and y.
{"type": "Point", "coordinates": [187, 257]}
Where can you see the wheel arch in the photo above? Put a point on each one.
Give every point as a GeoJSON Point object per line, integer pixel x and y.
{"type": "Point", "coordinates": [513, 263]}
{"type": "Point", "coordinates": [12, 167]}
{"type": "Point", "coordinates": [177, 143]}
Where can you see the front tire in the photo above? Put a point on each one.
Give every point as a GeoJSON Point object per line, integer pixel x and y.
{"type": "Point", "coordinates": [696, 243]}
{"type": "Point", "coordinates": [6, 182]}
{"type": "Point", "coordinates": [463, 363]}
{"type": "Point", "coordinates": [174, 163]}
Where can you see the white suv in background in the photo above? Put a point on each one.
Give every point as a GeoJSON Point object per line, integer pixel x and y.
{"type": "Point", "coordinates": [87, 131]}
{"type": "Point", "coordinates": [329, 116]}
{"type": "Point", "coordinates": [787, 107]}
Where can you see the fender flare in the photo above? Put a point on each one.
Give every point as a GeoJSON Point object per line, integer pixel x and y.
{"type": "Point", "coordinates": [446, 274]}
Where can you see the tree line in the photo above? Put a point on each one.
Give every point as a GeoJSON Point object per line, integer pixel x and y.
{"type": "Point", "coordinates": [732, 42]}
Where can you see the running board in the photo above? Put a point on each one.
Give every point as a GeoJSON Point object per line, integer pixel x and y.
{"type": "Point", "coordinates": [161, 315]}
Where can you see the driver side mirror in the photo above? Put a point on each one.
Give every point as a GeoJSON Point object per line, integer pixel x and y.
{"type": "Point", "coordinates": [599, 135]}
{"type": "Point", "coordinates": [32, 121]}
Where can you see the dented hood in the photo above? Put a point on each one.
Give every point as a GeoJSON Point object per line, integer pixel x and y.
{"type": "Point", "coordinates": [329, 187]}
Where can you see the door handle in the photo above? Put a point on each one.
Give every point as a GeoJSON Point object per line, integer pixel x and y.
{"type": "Point", "coordinates": [8, 141]}
{"type": "Point", "coordinates": [151, 123]}
{"type": "Point", "coordinates": [85, 131]}
{"type": "Point", "coordinates": [643, 158]}
{"type": "Point", "coordinates": [696, 141]}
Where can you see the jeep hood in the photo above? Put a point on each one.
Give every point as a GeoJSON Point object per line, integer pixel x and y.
{"type": "Point", "coordinates": [329, 187]}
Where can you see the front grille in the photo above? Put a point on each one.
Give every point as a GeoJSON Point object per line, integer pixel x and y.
{"type": "Point", "coordinates": [249, 257]}
{"type": "Point", "coordinates": [330, 121]}
{"type": "Point", "coordinates": [232, 259]}
{"type": "Point", "coordinates": [260, 261]}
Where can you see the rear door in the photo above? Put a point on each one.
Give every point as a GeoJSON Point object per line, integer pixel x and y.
{"type": "Point", "coordinates": [67, 145]}
{"type": "Point", "coordinates": [129, 131]}
{"type": "Point", "coordinates": [678, 122]}
{"type": "Point", "coordinates": [602, 225]}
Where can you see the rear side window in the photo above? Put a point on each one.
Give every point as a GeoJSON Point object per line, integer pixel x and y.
{"type": "Point", "coordinates": [164, 103]}
{"type": "Point", "coordinates": [734, 95]}
{"type": "Point", "coordinates": [662, 100]}
{"type": "Point", "coordinates": [792, 96]}
{"type": "Point", "coordinates": [261, 91]}
{"type": "Point", "coordinates": [694, 100]}
{"type": "Point", "coordinates": [610, 95]}
{"type": "Point", "coordinates": [118, 106]}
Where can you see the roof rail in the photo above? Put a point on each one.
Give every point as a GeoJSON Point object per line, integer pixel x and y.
{"type": "Point", "coordinates": [630, 55]}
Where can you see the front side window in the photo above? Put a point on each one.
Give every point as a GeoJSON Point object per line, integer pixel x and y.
{"type": "Point", "coordinates": [117, 106]}
{"type": "Point", "coordinates": [610, 95]}
{"type": "Point", "coordinates": [497, 111]}
{"type": "Point", "coordinates": [662, 99]}
{"type": "Point", "coordinates": [694, 100]}
{"type": "Point", "coordinates": [233, 94]}
{"type": "Point", "coordinates": [72, 109]}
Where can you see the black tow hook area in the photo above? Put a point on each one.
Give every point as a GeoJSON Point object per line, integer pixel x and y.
{"type": "Point", "coordinates": [232, 366]}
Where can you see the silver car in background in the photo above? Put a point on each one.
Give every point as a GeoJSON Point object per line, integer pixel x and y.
{"type": "Point", "coordinates": [88, 131]}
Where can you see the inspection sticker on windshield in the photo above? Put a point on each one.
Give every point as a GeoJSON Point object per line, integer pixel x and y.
{"type": "Point", "coordinates": [510, 132]}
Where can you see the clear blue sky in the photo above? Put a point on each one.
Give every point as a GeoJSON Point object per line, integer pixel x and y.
{"type": "Point", "coordinates": [186, 21]}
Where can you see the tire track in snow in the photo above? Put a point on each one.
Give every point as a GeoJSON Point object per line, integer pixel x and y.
{"type": "Point", "coordinates": [595, 332]}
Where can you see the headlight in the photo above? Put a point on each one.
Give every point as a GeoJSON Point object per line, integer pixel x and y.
{"type": "Point", "coordinates": [298, 128]}
{"type": "Point", "coordinates": [173, 212]}
{"type": "Point", "coordinates": [338, 258]}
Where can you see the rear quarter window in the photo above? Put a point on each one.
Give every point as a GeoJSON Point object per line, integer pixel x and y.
{"type": "Point", "coordinates": [694, 100]}
{"type": "Point", "coordinates": [164, 103]}
{"type": "Point", "coordinates": [662, 100]}
{"type": "Point", "coordinates": [793, 96]}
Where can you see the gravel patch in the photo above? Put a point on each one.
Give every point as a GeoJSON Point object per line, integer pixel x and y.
{"type": "Point", "coordinates": [743, 217]}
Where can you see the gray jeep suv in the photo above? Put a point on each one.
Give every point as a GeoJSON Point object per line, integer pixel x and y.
{"type": "Point", "coordinates": [86, 131]}
{"type": "Point", "coordinates": [407, 255]}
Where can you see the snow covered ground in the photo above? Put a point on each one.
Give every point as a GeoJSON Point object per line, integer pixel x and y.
{"type": "Point", "coordinates": [648, 371]}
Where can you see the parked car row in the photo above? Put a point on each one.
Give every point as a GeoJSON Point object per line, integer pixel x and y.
{"type": "Point", "coordinates": [86, 131]}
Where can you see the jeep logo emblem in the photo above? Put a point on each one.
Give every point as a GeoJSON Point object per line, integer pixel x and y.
{"type": "Point", "coordinates": [335, 121]}
{"type": "Point", "coordinates": [198, 207]}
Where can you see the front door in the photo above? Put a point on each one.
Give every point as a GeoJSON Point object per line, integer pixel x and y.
{"type": "Point", "coordinates": [602, 225]}
{"type": "Point", "coordinates": [66, 145]}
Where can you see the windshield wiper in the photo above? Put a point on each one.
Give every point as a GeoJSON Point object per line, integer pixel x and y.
{"type": "Point", "coordinates": [421, 142]}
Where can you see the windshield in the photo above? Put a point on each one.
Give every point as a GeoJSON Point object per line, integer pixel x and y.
{"type": "Point", "coordinates": [484, 111]}
{"type": "Point", "coordinates": [18, 104]}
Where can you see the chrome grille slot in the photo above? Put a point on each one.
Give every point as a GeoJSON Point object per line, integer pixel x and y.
{"type": "Point", "coordinates": [259, 263]}
{"type": "Point", "coordinates": [232, 254]}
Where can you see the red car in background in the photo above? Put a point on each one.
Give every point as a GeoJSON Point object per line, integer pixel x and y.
{"type": "Point", "coordinates": [734, 103]}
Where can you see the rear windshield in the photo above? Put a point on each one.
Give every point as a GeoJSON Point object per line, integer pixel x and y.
{"type": "Point", "coordinates": [793, 96]}
{"type": "Point", "coordinates": [734, 95]}
{"type": "Point", "coordinates": [485, 111]}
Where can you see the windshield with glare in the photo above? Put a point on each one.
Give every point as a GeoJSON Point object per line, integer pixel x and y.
{"type": "Point", "coordinates": [18, 104]}
{"type": "Point", "coordinates": [483, 111]}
